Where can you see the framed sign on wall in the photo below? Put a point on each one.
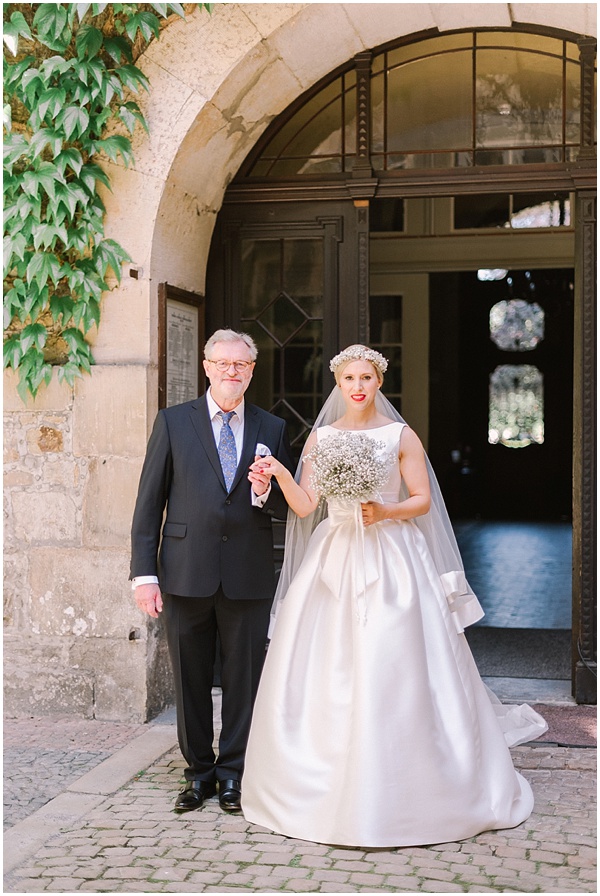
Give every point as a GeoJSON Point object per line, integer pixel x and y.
{"type": "Point", "coordinates": [180, 344]}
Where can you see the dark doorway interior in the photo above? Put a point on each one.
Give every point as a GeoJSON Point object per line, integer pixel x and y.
{"type": "Point", "coordinates": [485, 480]}
{"type": "Point", "coordinates": [510, 506]}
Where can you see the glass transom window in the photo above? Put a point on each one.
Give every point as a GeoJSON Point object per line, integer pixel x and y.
{"type": "Point", "coordinates": [458, 100]}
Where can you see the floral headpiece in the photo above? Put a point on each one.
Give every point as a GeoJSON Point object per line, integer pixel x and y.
{"type": "Point", "coordinates": [359, 353]}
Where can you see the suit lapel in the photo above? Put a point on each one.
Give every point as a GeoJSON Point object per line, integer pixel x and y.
{"type": "Point", "coordinates": [203, 426]}
{"type": "Point", "coordinates": [251, 427]}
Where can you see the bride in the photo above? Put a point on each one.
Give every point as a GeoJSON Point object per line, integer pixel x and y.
{"type": "Point", "coordinates": [372, 726]}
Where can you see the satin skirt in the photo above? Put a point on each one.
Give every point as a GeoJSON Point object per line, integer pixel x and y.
{"type": "Point", "coordinates": [372, 726]}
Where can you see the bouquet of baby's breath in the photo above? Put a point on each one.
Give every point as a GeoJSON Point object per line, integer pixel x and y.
{"type": "Point", "coordinates": [349, 466]}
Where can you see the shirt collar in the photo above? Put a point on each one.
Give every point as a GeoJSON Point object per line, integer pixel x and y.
{"type": "Point", "coordinates": [213, 408]}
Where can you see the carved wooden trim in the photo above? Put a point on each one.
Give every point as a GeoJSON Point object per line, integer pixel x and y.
{"type": "Point", "coordinates": [587, 55]}
{"type": "Point", "coordinates": [362, 165]}
{"type": "Point", "coordinates": [584, 457]}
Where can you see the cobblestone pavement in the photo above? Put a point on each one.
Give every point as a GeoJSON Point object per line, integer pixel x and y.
{"type": "Point", "coordinates": [42, 755]}
{"type": "Point", "coordinates": [131, 841]}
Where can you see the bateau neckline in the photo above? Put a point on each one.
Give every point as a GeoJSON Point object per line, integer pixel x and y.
{"type": "Point", "coordinates": [372, 429]}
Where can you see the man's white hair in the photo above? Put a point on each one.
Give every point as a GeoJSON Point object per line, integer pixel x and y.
{"type": "Point", "coordinates": [229, 336]}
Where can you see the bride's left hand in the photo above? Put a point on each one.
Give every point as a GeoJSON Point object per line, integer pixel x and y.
{"type": "Point", "coordinates": [372, 513]}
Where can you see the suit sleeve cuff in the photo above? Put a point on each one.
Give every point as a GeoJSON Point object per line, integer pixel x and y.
{"type": "Point", "coordinates": [260, 500]}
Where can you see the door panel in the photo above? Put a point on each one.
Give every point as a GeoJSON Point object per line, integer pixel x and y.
{"type": "Point", "coordinates": [287, 274]}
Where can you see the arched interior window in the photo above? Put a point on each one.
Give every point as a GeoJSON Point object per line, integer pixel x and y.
{"type": "Point", "coordinates": [516, 325]}
{"type": "Point", "coordinates": [516, 406]}
{"type": "Point", "coordinates": [456, 100]}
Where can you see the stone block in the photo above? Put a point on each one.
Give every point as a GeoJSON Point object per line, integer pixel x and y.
{"type": "Point", "coordinates": [450, 16]}
{"type": "Point", "coordinates": [268, 17]}
{"type": "Point", "coordinates": [376, 22]}
{"type": "Point", "coordinates": [131, 209]}
{"type": "Point", "coordinates": [109, 415]}
{"type": "Point", "coordinates": [124, 335]}
{"type": "Point", "coordinates": [183, 224]}
{"type": "Point", "coordinates": [38, 679]}
{"type": "Point", "coordinates": [167, 122]}
{"type": "Point", "coordinates": [576, 17]}
{"type": "Point", "coordinates": [45, 517]}
{"type": "Point", "coordinates": [15, 588]}
{"type": "Point", "coordinates": [118, 668]}
{"type": "Point", "coordinates": [257, 89]}
{"type": "Point", "coordinates": [82, 593]}
{"type": "Point", "coordinates": [306, 45]}
{"type": "Point", "coordinates": [109, 500]}
{"type": "Point", "coordinates": [53, 397]}
{"type": "Point", "coordinates": [202, 51]}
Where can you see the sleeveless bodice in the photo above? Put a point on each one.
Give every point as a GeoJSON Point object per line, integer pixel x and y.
{"type": "Point", "coordinates": [389, 434]}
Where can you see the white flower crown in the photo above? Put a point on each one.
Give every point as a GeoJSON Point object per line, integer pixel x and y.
{"type": "Point", "coordinates": [359, 353]}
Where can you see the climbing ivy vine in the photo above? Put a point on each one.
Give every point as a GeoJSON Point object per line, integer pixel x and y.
{"type": "Point", "coordinates": [70, 86]}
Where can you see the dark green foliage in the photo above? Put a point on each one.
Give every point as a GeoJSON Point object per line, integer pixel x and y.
{"type": "Point", "coordinates": [69, 74]}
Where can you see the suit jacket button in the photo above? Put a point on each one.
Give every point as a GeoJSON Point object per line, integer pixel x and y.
{"type": "Point", "coordinates": [228, 501]}
{"type": "Point", "coordinates": [224, 538]}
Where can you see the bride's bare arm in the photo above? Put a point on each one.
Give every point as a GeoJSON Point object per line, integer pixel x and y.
{"type": "Point", "coordinates": [415, 477]}
{"type": "Point", "coordinates": [300, 496]}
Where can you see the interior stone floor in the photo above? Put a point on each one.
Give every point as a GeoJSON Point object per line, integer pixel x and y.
{"type": "Point", "coordinates": [520, 571]}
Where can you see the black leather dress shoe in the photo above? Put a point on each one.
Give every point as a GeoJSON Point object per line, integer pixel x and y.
{"type": "Point", "coordinates": [230, 794]}
{"type": "Point", "coordinates": [193, 795]}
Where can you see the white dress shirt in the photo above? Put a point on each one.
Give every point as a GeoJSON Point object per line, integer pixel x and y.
{"type": "Point", "coordinates": [237, 427]}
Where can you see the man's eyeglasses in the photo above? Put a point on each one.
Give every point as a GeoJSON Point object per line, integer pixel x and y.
{"type": "Point", "coordinates": [240, 366]}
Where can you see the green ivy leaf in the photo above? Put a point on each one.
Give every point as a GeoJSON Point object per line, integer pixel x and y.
{"type": "Point", "coordinates": [51, 102]}
{"type": "Point", "coordinates": [118, 48]}
{"type": "Point", "coordinates": [50, 21]}
{"type": "Point", "coordinates": [14, 73]}
{"type": "Point", "coordinates": [132, 77]}
{"type": "Point", "coordinates": [15, 146]}
{"type": "Point", "coordinates": [13, 352]}
{"type": "Point", "coordinates": [88, 41]}
{"type": "Point", "coordinates": [116, 146]}
{"type": "Point", "coordinates": [73, 120]}
{"type": "Point", "coordinates": [45, 137]}
{"type": "Point", "coordinates": [146, 22]}
{"type": "Point", "coordinates": [61, 308]}
{"type": "Point", "coordinates": [17, 27]}
{"type": "Point", "coordinates": [130, 113]}
{"type": "Point", "coordinates": [33, 334]}
{"type": "Point", "coordinates": [82, 10]}
{"type": "Point", "coordinates": [33, 371]}
{"type": "Point", "coordinates": [13, 246]}
{"type": "Point", "coordinates": [55, 65]}
{"type": "Point", "coordinates": [109, 254]}
{"type": "Point", "coordinates": [71, 157]}
{"type": "Point", "coordinates": [43, 265]}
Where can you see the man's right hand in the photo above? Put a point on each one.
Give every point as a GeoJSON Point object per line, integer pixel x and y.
{"type": "Point", "coordinates": [149, 599]}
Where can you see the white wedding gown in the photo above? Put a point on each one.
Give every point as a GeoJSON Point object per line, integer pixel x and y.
{"type": "Point", "coordinates": [372, 726]}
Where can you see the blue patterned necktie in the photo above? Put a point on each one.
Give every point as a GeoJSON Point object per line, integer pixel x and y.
{"type": "Point", "coordinates": [227, 449]}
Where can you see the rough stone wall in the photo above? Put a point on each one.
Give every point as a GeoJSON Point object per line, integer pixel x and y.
{"type": "Point", "coordinates": [72, 457]}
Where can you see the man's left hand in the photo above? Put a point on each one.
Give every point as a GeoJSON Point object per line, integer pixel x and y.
{"type": "Point", "coordinates": [259, 477]}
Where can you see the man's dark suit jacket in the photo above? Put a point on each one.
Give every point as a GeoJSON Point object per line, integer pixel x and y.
{"type": "Point", "coordinates": [209, 538]}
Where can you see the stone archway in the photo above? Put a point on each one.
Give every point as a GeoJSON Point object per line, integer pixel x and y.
{"type": "Point", "coordinates": [216, 83]}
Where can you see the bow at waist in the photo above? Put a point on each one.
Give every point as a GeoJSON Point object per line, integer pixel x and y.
{"type": "Point", "coordinates": [351, 554]}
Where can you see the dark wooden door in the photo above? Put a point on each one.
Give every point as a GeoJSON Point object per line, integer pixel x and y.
{"type": "Point", "coordinates": [287, 274]}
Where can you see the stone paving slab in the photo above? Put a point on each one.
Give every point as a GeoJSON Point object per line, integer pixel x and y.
{"type": "Point", "coordinates": [132, 841]}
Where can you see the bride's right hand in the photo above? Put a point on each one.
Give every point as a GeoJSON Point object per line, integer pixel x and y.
{"type": "Point", "coordinates": [269, 466]}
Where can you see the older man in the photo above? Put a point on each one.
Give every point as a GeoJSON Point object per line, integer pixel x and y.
{"type": "Point", "coordinates": [213, 571]}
